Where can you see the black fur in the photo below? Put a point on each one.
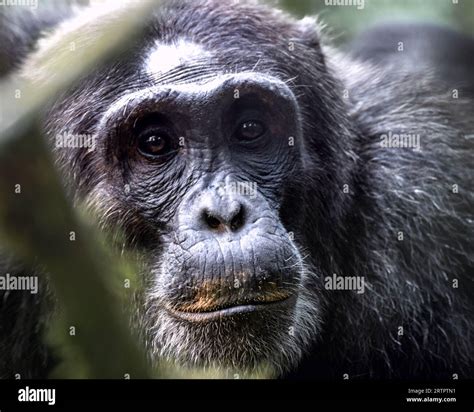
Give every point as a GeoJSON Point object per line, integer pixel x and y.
{"type": "Point", "coordinates": [346, 102]}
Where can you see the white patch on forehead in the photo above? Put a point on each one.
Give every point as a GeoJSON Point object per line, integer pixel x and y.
{"type": "Point", "coordinates": [165, 57]}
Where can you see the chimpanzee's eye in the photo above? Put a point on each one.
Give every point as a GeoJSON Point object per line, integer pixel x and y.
{"type": "Point", "coordinates": [250, 130]}
{"type": "Point", "coordinates": [155, 143]}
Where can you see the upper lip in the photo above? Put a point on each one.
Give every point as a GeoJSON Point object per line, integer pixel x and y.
{"type": "Point", "coordinates": [230, 309]}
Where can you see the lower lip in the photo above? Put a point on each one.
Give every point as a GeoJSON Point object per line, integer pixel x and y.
{"type": "Point", "coordinates": [228, 312]}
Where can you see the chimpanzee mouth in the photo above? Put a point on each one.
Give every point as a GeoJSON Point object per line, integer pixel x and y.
{"type": "Point", "coordinates": [231, 310]}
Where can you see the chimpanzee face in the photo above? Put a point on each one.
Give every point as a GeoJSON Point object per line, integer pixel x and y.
{"type": "Point", "coordinates": [199, 159]}
{"type": "Point", "coordinates": [207, 162]}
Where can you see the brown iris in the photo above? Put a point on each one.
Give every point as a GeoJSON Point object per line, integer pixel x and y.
{"type": "Point", "coordinates": [154, 144]}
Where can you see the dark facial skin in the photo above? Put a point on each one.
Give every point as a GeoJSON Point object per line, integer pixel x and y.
{"type": "Point", "coordinates": [200, 165]}
{"type": "Point", "coordinates": [225, 250]}
{"type": "Point", "coordinates": [211, 189]}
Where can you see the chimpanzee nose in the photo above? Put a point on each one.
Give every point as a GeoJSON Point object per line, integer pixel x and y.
{"type": "Point", "coordinates": [224, 216]}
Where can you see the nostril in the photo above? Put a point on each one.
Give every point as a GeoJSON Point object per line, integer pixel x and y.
{"type": "Point", "coordinates": [211, 221]}
{"type": "Point", "coordinates": [232, 221]}
{"type": "Point", "coordinates": [238, 220]}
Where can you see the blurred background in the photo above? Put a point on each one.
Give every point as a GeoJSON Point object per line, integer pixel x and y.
{"type": "Point", "coordinates": [345, 20]}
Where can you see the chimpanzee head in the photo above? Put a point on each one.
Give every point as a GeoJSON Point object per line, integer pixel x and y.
{"type": "Point", "coordinates": [218, 145]}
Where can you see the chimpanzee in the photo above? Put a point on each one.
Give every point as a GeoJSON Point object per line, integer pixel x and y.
{"type": "Point", "coordinates": [298, 209]}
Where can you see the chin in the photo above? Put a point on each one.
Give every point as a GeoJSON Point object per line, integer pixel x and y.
{"type": "Point", "coordinates": [254, 339]}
